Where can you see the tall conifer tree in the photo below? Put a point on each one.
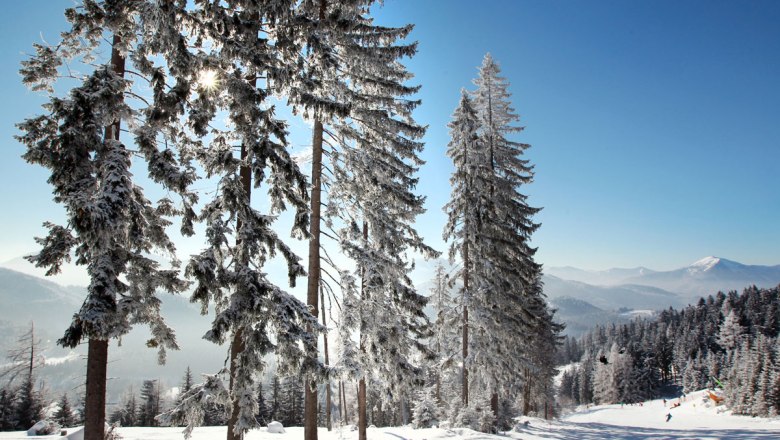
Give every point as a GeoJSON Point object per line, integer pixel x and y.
{"type": "Point", "coordinates": [111, 226]}
{"type": "Point", "coordinates": [490, 226]}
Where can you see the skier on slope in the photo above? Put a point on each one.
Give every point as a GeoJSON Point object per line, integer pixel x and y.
{"type": "Point", "coordinates": [668, 416]}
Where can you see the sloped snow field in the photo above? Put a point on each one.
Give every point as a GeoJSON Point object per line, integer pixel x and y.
{"type": "Point", "coordinates": [695, 419]}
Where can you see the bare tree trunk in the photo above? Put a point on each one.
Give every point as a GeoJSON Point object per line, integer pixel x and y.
{"type": "Point", "coordinates": [32, 351]}
{"type": "Point", "coordinates": [344, 407]}
{"type": "Point", "coordinates": [464, 396]}
{"type": "Point", "coordinates": [328, 397]}
{"type": "Point", "coordinates": [310, 396]}
{"type": "Point", "coordinates": [362, 384]}
{"type": "Point", "coordinates": [494, 407]}
{"type": "Point", "coordinates": [97, 353]}
{"type": "Point", "coordinates": [341, 406]}
{"type": "Point", "coordinates": [236, 348]}
{"type": "Point", "coordinates": [362, 409]}
{"type": "Point", "coordinates": [526, 392]}
{"type": "Point", "coordinates": [95, 401]}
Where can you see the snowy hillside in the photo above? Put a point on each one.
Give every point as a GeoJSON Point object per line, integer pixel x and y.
{"type": "Point", "coordinates": [695, 418]}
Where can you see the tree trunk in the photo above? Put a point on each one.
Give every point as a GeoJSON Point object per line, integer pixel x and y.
{"type": "Point", "coordinates": [310, 397]}
{"type": "Point", "coordinates": [362, 384]}
{"type": "Point", "coordinates": [97, 353]}
{"type": "Point", "coordinates": [328, 397]}
{"type": "Point", "coordinates": [494, 407]}
{"type": "Point", "coordinates": [341, 406]}
{"type": "Point", "coordinates": [464, 396]}
{"type": "Point", "coordinates": [237, 346]}
{"type": "Point", "coordinates": [526, 392]}
{"type": "Point", "coordinates": [32, 352]}
{"type": "Point", "coordinates": [362, 409]}
{"type": "Point", "coordinates": [344, 408]}
{"type": "Point", "coordinates": [95, 401]}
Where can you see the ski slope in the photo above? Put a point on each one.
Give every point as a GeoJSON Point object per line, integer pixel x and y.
{"type": "Point", "coordinates": [695, 419]}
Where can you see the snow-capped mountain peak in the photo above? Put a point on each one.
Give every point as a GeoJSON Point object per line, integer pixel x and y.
{"type": "Point", "coordinates": [704, 264]}
{"type": "Point", "coordinates": [708, 264]}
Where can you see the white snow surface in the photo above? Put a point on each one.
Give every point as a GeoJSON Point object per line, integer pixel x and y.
{"type": "Point", "coordinates": [695, 418]}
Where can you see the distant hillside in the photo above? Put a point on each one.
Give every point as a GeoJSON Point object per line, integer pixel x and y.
{"type": "Point", "coordinates": [580, 316]}
{"type": "Point", "coordinates": [612, 297]}
{"type": "Point", "coordinates": [607, 277]}
{"type": "Point", "coordinates": [26, 299]}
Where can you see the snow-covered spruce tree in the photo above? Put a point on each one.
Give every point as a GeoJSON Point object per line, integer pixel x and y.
{"type": "Point", "coordinates": [64, 413]}
{"type": "Point", "coordinates": [256, 316]}
{"type": "Point", "coordinates": [127, 415]}
{"type": "Point", "coordinates": [426, 412]}
{"type": "Point", "coordinates": [464, 214]}
{"type": "Point", "coordinates": [111, 227]}
{"type": "Point", "coordinates": [372, 195]}
{"type": "Point", "coordinates": [314, 92]}
{"type": "Point", "coordinates": [350, 81]}
{"type": "Point", "coordinates": [150, 405]}
{"type": "Point", "coordinates": [444, 344]}
{"type": "Point", "coordinates": [605, 387]}
{"type": "Point", "coordinates": [490, 227]}
{"type": "Point", "coordinates": [7, 403]}
{"type": "Point", "coordinates": [539, 370]}
{"type": "Point", "coordinates": [510, 297]}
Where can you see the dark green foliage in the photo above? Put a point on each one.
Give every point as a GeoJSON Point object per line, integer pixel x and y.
{"type": "Point", "coordinates": [150, 405]}
{"type": "Point", "coordinates": [7, 404]}
{"type": "Point", "coordinates": [292, 406]}
{"type": "Point", "coordinates": [29, 405]}
{"type": "Point", "coordinates": [64, 415]}
{"type": "Point", "coordinates": [275, 411]}
{"type": "Point", "coordinates": [186, 383]}
{"type": "Point", "coordinates": [262, 416]}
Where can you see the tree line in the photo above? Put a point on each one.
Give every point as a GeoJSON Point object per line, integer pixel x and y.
{"type": "Point", "coordinates": [727, 340]}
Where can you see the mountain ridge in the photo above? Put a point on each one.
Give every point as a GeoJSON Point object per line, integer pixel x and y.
{"type": "Point", "coordinates": [703, 277]}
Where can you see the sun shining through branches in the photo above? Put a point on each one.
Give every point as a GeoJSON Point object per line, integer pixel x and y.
{"type": "Point", "coordinates": [208, 80]}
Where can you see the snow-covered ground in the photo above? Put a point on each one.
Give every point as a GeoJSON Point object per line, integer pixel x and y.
{"type": "Point", "coordinates": [695, 418]}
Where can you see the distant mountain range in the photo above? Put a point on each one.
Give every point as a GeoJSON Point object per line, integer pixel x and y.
{"type": "Point", "coordinates": [25, 299]}
{"type": "Point", "coordinates": [701, 278]}
{"type": "Point", "coordinates": [614, 292]}
{"type": "Point", "coordinates": [582, 298]}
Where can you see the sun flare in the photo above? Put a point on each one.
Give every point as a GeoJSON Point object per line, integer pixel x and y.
{"type": "Point", "coordinates": [208, 80]}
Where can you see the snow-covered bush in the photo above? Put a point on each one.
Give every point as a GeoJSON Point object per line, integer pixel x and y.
{"type": "Point", "coordinates": [275, 428]}
{"type": "Point", "coordinates": [44, 427]}
{"type": "Point", "coordinates": [506, 414]}
{"type": "Point", "coordinates": [453, 410]}
{"type": "Point", "coordinates": [467, 418]}
{"type": "Point", "coordinates": [426, 412]}
{"type": "Point", "coordinates": [477, 416]}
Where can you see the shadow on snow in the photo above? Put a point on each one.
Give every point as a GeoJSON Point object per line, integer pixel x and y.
{"type": "Point", "coordinates": [600, 431]}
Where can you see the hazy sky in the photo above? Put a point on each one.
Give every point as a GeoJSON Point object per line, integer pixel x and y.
{"type": "Point", "coordinates": [655, 125]}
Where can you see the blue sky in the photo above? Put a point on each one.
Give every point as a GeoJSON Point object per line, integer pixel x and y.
{"type": "Point", "coordinates": [654, 125]}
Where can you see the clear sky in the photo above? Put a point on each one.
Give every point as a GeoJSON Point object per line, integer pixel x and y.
{"type": "Point", "coordinates": [654, 125]}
